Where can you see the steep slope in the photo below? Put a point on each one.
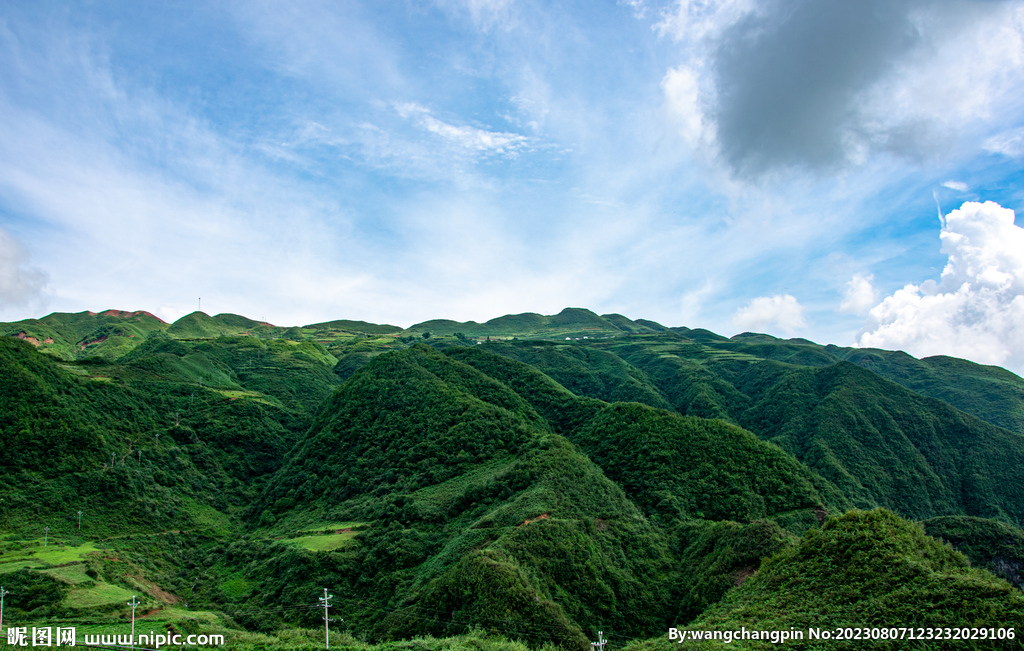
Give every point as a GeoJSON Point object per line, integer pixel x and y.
{"type": "Point", "coordinates": [586, 371]}
{"type": "Point", "coordinates": [864, 569]}
{"type": "Point", "coordinates": [137, 455]}
{"type": "Point", "coordinates": [512, 524]}
{"type": "Point", "coordinates": [884, 445]}
{"type": "Point", "coordinates": [671, 466]}
{"type": "Point", "coordinates": [993, 545]}
{"type": "Point", "coordinates": [685, 467]}
{"type": "Point", "coordinates": [880, 443]}
{"type": "Point", "coordinates": [991, 393]}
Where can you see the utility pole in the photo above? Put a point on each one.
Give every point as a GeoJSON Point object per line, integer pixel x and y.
{"type": "Point", "coordinates": [140, 456]}
{"type": "Point", "coordinates": [46, 534]}
{"type": "Point", "coordinates": [3, 593]}
{"type": "Point", "coordinates": [599, 645]}
{"type": "Point", "coordinates": [200, 309]}
{"type": "Point", "coordinates": [79, 520]}
{"type": "Point", "coordinates": [134, 604]}
{"type": "Point", "coordinates": [325, 604]}
{"type": "Point", "coordinates": [111, 459]}
{"type": "Point", "coordinates": [175, 419]}
{"type": "Point", "coordinates": [157, 438]}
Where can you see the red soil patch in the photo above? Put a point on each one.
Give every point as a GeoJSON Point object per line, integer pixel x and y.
{"type": "Point", "coordinates": [542, 516]}
{"type": "Point", "coordinates": [82, 345]}
{"type": "Point", "coordinates": [32, 340]}
{"type": "Point", "coordinates": [153, 589]}
{"type": "Point", "coordinates": [125, 314]}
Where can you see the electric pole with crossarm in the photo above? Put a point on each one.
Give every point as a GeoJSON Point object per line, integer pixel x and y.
{"type": "Point", "coordinates": [134, 603]}
{"type": "Point", "coordinates": [599, 645]}
{"type": "Point", "coordinates": [3, 593]}
{"type": "Point", "coordinates": [325, 604]}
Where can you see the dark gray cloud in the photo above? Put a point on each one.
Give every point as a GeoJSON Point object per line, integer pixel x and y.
{"type": "Point", "coordinates": [791, 79]}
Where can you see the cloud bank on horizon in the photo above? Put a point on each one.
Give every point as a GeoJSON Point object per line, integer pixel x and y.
{"type": "Point", "coordinates": [735, 165]}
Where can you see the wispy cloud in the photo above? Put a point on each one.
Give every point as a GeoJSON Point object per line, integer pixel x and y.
{"type": "Point", "coordinates": [465, 138]}
{"type": "Point", "coordinates": [1008, 143]}
{"type": "Point", "coordinates": [485, 14]}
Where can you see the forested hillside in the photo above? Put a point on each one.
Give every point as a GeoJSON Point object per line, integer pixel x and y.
{"type": "Point", "coordinates": [533, 478]}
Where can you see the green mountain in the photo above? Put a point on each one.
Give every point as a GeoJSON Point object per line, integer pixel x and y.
{"type": "Point", "coordinates": [628, 479]}
{"type": "Point", "coordinates": [864, 570]}
{"type": "Point", "coordinates": [113, 334]}
{"type": "Point", "coordinates": [570, 323]}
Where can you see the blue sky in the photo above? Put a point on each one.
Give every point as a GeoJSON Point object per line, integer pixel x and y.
{"type": "Point", "coordinates": [730, 164]}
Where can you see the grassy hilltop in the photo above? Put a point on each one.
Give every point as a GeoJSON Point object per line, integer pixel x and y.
{"type": "Point", "coordinates": [519, 483]}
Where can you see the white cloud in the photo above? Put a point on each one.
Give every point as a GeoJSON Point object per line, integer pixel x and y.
{"type": "Point", "coordinates": [466, 138]}
{"type": "Point", "coordinates": [782, 311]}
{"type": "Point", "coordinates": [1008, 143]}
{"type": "Point", "coordinates": [692, 20]}
{"type": "Point", "coordinates": [692, 302]}
{"type": "Point", "coordinates": [859, 296]}
{"type": "Point", "coordinates": [485, 14]}
{"type": "Point", "coordinates": [976, 311]}
{"type": "Point", "coordinates": [639, 7]}
{"type": "Point", "coordinates": [681, 86]}
{"type": "Point", "coordinates": [959, 186]}
{"type": "Point", "coordinates": [20, 283]}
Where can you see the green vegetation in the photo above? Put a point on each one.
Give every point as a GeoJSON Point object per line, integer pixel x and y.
{"type": "Point", "coordinates": [59, 554]}
{"type": "Point", "coordinates": [864, 569]}
{"type": "Point", "coordinates": [323, 543]}
{"type": "Point", "coordinates": [994, 545]}
{"type": "Point", "coordinates": [70, 573]}
{"type": "Point", "coordinates": [102, 594]}
{"type": "Point", "coordinates": [498, 481]}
